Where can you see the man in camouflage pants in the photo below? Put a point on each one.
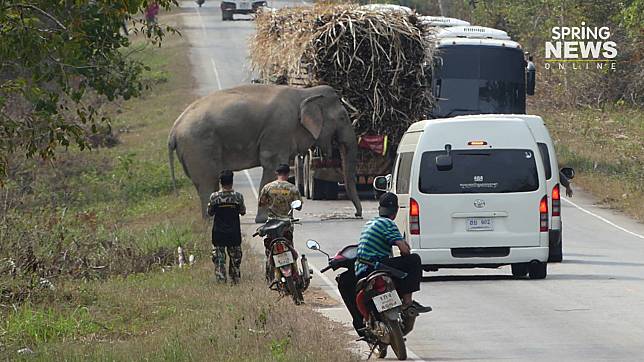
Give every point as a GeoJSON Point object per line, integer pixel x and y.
{"type": "Point", "coordinates": [277, 196]}
{"type": "Point", "coordinates": [226, 205]}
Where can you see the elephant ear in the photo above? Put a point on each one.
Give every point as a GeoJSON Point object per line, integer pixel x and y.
{"type": "Point", "coordinates": [311, 115]}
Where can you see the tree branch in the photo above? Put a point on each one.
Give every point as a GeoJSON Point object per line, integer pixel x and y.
{"type": "Point", "coordinates": [39, 10]}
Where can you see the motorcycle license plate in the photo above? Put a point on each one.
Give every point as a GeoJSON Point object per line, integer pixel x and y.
{"type": "Point", "coordinates": [283, 259]}
{"type": "Point", "coordinates": [386, 301]}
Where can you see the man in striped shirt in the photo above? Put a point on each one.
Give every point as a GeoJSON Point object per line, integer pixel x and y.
{"type": "Point", "coordinates": [376, 241]}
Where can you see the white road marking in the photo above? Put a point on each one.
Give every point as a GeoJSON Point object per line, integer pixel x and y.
{"type": "Point", "coordinates": [214, 68]}
{"type": "Point", "coordinates": [212, 60]}
{"type": "Point", "coordinates": [252, 185]}
{"type": "Point", "coordinates": [603, 219]}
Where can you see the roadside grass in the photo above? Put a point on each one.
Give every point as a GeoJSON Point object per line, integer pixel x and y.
{"type": "Point", "coordinates": [178, 315]}
{"type": "Point", "coordinates": [88, 244]}
{"type": "Point", "coordinates": [604, 146]}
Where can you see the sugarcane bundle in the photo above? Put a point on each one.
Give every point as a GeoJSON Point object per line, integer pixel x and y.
{"type": "Point", "coordinates": [374, 59]}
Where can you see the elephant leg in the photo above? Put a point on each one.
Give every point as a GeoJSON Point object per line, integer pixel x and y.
{"type": "Point", "coordinates": [205, 167]}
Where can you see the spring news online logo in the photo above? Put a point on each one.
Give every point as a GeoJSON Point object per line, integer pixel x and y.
{"type": "Point", "coordinates": [582, 47]}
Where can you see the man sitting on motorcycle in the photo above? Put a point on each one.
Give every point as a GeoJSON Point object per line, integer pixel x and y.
{"type": "Point", "coordinates": [378, 237]}
{"type": "Point", "coordinates": [277, 196]}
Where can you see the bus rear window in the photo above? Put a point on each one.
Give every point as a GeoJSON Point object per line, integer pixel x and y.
{"type": "Point", "coordinates": [480, 171]}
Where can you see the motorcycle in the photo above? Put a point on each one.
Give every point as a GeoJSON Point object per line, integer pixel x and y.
{"type": "Point", "coordinates": [287, 279]}
{"type": "Point", "coordinates": [373, 303]}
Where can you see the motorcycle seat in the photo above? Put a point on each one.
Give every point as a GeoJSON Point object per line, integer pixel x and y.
{"type": "Point", "coordinates": [271, 225]}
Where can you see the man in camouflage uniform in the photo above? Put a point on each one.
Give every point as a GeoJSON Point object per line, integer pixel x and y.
{"type": "Point", "coordinates": [226, 205]}
{"type": "Point", "coordinates": [277, 197]}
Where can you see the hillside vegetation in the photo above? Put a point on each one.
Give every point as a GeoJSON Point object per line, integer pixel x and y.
{"type": "Point", "coordinates": [88, 248]}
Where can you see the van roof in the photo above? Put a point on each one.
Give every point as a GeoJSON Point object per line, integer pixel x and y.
{"type": "Point", "coordinates": [536, 123]}
{"type": "Point", "coordinates": [498, 132]}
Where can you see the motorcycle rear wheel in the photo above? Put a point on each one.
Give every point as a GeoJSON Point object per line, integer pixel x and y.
{"type": "Point", "coordinates": [294, 291]}
{"type": "Point", "coordinates": [396, 339]}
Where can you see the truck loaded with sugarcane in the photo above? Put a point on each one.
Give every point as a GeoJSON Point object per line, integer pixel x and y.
{"type": "Point", "coordinates": [391, 67]}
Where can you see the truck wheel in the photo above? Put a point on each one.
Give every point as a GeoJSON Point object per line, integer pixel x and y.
{"type": "Point", "coordinates": [538, 270]}
{"type": "Point", "coordinates": [316, 189]}
{"type": "Point", "coordinates": [331, 190]}
{"type": "Point", "coordinates": [299, 174]}
{"type": "Point", "coordinates": [306, 181]}
{"type": "Point", "coordinates": [519, 269]}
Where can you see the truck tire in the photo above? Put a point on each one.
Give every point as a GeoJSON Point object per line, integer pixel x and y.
{"type": "Point", "coordinates": [331, 190]}
{"type": "Point", "coordinates": [317, 188]}
{"type": "Point", "coordinates": [299, 174]}
{"type": "Point", "coordinates": [307, 170]}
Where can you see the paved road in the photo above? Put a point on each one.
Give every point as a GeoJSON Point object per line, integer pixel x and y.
{"type": "Point", "coordinates": [591, 307]}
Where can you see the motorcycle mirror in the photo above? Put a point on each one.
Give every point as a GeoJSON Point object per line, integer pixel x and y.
{"type": "Point", "coordinates": [297, 204]}
{"type": "Point", "coordinates": [312, 244]}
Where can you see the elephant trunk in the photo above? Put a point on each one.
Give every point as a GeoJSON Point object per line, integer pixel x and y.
{"type": "Point", "coordinates": [349, 152]}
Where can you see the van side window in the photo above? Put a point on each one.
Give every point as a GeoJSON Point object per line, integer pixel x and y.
{"type": "Point", "coordinates": [545, 156]}
{"type": "Point", "coordinates": [403, 174]}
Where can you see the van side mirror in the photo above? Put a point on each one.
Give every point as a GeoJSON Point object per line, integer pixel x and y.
{"type": "Point", "coordinates": [381, 183]}
{"type": "Point", "coordinates": [444, 162]}
{"type": "Point", "coordinates": [569, 172]}
{"type": "Point", "coordinates": [531, 78]}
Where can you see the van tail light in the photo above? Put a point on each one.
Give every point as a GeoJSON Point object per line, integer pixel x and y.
{"type": "Point", "coordinates": [543, 214]}
{"type": "Point", "coordinates": [556, 201]}
{"type": "Point", "coordinates": [414, 217]}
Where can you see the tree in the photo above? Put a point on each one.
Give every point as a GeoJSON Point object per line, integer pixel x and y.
{"type": "Point", "coordinates": [53, 55]}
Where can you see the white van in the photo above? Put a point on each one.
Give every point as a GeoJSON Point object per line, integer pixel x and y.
{"type": "Point", "coordinates": [549, 157]}
{"type": "Point", "coordinates": [473, 193]}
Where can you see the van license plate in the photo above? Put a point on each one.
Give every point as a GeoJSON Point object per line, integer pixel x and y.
{"type": "Point", "coordinates": [386, 301]}
{"type": "Point", "coordinates": [283, 259]}
{"type": "Point", "coordinates": [480, 224]}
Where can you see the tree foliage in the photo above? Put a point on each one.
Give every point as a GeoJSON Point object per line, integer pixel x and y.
{"type": "Point", "coordinates": [53, 54]}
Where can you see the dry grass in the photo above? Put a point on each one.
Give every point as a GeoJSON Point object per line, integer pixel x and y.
{"type": "Point", "coordinates": [375, 60]}
{"type": "Point", "coordinates": [605, 148]}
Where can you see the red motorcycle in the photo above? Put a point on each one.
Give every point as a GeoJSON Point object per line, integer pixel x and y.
{"type": "Point", "coordinates": [372, 301]}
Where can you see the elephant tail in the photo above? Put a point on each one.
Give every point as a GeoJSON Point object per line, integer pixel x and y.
{"type": "Point", "coordinates": [172, 146]}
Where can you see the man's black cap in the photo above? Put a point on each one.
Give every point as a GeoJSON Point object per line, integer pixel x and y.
{"type": "Point", "coordinates": [388, 204]}
{"type": "Point", "coordinates": [283, 168]}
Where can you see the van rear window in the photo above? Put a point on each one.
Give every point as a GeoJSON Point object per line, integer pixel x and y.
{"type": "Point", "coordinates": [480, 171]}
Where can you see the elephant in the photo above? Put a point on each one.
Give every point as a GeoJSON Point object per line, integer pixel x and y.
{"type": "Point", "coordinates": [260, 125]}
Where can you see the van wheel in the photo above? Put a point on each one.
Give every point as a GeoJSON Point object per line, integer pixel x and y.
{"type": "Point", "coordinates": [538, 270]}
{"type": "Point", "coordinates": [556, 254]}
{"type": "Point", "coordinates": [520, 269]}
